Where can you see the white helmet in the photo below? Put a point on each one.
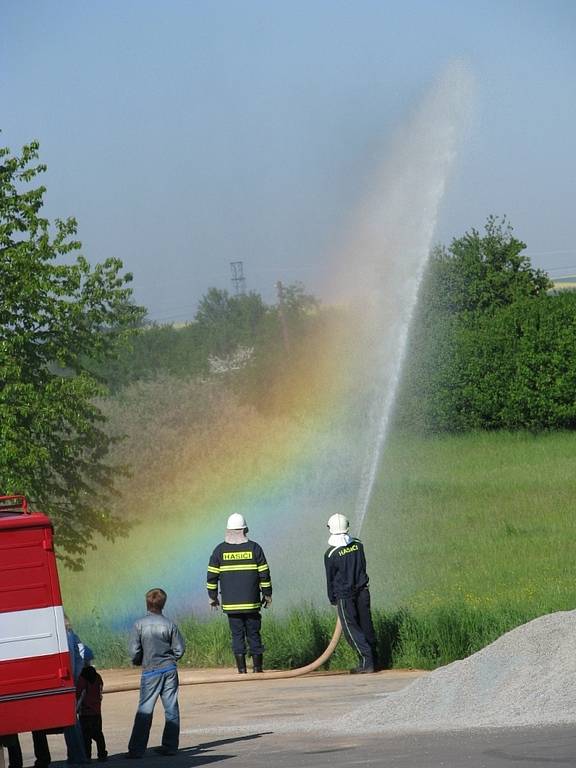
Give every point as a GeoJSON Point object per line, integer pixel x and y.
{"type": "Point", "coordinates": [236, 522]}
{"type": "Point", "coordinates": [338, 524]}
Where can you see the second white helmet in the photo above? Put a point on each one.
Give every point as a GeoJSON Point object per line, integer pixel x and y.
{"type": "Point", "coordinates": [338, 524]}
{"type": "Point", "coordinates": [236, 522]}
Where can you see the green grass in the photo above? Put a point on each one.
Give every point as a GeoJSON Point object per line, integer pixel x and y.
{"type": "Point", "coordinates": [483, 520]}
{"type": "Point", "coordinates": [406, 638]}
{"type": "Point", "coordinates": [291, 640]}
{"type": "Point", "coordinates": [467, 537]}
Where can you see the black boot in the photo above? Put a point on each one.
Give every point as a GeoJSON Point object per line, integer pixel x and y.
{"type": "Point", "coordinates": [240, 663]}
{"type": "Point", "coordinates": [257, 659]}
{"type": "Point", "coordinates": [365, 667]}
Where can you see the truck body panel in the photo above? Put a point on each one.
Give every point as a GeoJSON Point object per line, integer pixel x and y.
{"type": "Point", "coordinates": [37, 690]}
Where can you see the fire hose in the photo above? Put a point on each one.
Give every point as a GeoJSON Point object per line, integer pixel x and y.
{"type": "Point", "coordinates": [185, 679]}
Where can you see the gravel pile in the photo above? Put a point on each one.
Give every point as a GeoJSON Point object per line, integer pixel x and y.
{"type": "Point", "coordinates": [525, 678]}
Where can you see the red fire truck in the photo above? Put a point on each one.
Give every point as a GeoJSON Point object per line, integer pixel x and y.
{"type": "Point", "coordinates": [36, 684]}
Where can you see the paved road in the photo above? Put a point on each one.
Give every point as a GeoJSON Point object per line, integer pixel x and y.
{"type": "Point", "coordinates": [246, 726]}
{"type": "Point", "coordinates": [488, 749]}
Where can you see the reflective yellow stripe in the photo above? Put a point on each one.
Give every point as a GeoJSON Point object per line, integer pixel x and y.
{"type": "Point", "coordinates": [265, 583]}
{"type": "Point", "coordinates": [211, 586]}
{"type": "Point", "coordinates": [263, 567]}
{"type": "Point", "coordinates": [238, 567]}
{"type": "Point", "coordinates": [213, 569]}
{"type": "Point", "coordinates": [240, 606]}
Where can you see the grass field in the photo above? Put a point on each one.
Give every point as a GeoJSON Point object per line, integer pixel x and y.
{"type": "Point", "coordinates": [488, 520]}
{"type": "Point", "coordinates": [467, 537]}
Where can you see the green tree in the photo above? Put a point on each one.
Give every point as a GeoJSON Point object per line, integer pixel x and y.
{"type": "Point", "coordinates": [55, 317]}
{"type": "Point", "coordinates": [480, 272]}
{"type": "Point", "coordinates": [516, 367]}
{"type": "Point", "coordinates": [157, 349]}
{"type": "Point", "coordinates": [227, 322]}
{"type": "Point", "coordinates": [223, 325]}
{"type": "Point", "coordinates": [462, 360]}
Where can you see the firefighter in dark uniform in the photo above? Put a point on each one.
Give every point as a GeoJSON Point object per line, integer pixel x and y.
{"type": "Point", "coordinates": [239, 566]}
{"type": "Point", "coordinates": [347, 583]}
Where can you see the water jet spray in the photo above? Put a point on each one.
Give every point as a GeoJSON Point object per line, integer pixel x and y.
{"type": "Point", "coordinates": [398, 223]}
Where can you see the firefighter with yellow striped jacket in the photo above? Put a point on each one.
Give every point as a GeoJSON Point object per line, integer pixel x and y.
{"type": "Point", "coordinates": [347, 585]}
{"type": "Point", "coordinates": [239, 566]}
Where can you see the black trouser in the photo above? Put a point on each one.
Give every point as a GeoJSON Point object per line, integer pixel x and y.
{"type": "Point", "coordinates": [356, 620]}
{"type": "Point", "coordinates": [246, 626]}
{"type": "Point", "coordinates": [92, 729]}
{"type": "Point", "coordinates": [41, 749]}
{"type": "Point", "coordinates": [12, 744]}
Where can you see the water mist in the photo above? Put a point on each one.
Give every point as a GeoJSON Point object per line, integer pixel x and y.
{"type": "Point", "coordinates": [391, 247]}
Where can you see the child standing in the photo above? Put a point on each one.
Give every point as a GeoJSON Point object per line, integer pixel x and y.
{"type": "Point", "coordinates": [89, 692]}
{"type": "Point", "coordinates": [156, 645]}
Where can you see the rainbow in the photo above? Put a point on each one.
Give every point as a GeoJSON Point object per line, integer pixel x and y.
{"type": "Point", "coordinates": [199, 454]}
{"type": "Point", "coordinates": [285, 473]}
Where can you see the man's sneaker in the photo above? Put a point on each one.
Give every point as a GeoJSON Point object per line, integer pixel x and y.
{"type": "Point", "coordinates": [133, 756]}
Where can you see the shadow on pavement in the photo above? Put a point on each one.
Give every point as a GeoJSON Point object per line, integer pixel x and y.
{"type": "Point", "coordinates": [193, 756]}
{"type": "Point", "coordinates": [221, 742]}
{"type": "Point", "coordinates": [184, 757]}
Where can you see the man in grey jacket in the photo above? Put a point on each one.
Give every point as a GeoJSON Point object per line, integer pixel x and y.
{"type": "Point", "coordinates": [156, 645]}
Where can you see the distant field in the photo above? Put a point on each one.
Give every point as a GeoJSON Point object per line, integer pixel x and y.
{"type": "Point", "coordinates": [565, 283]}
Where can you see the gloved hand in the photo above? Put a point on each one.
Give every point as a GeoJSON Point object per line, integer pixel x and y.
{"type": "Point", "coordinates": [267, 601]}
{"type": "Point", "coordinates": [214, 604]}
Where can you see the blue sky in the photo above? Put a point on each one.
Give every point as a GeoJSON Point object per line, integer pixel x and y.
{"type": "Point", "coordinates": [186, 135]}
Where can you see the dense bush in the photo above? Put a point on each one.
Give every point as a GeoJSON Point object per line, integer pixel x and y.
{"type": "Point", "coordinates": [516, 367]}
{"type": "Point", "coordinates": [490, 348]}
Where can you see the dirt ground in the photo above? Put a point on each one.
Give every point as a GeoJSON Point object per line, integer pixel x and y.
{"type": "Point", "coordinates": [213, 710]}
{"type": "Point", "coordinates": [245, 724]}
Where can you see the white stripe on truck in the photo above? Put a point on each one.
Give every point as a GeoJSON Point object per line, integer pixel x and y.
{"type": "Point", "coordinates": [38, 632]}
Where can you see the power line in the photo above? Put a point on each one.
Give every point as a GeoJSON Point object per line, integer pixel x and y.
{"type": "Point", "coordinates": [566, 268]}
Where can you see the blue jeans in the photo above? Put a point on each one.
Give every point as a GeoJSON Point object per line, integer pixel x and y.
{"type": "Point", "coordinates": [154, 683]}
{"type": "Point", "coordinates": [75, 744]}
